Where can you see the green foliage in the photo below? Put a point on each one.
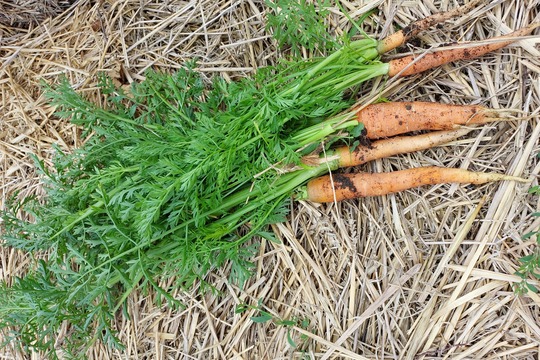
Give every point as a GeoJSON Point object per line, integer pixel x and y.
{"type": "Point", "coordinates": [530, 264]}
{"type": "Point", "coordinates": [175, 179]}
{"type": "Point", "coordinates": [33, 306]}
{"type": "Point", "coordinates": [300, 24]}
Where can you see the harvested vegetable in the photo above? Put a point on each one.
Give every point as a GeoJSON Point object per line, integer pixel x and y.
{"type": "Point", "coordinates": [414, 64]}
{"type": "Point", "coordinates": [393, 118]}
{"type": "Point", "coordinates": [409, 65]}
{"type": "Point", "coordinates": [344, 156]}
{"type": "Point", "coordinates": [338, 187]}
{"type": "Point", "coordinates": [410, 31]}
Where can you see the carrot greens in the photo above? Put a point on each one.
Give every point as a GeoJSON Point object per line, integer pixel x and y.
{"type": "Point", "coordinates": [174, 179]}
{"type": "Point", "coordinates": [299, 25]}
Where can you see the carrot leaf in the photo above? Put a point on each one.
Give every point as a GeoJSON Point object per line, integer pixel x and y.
{"type": "Point", "coordinates": [175, 179]}
{"type": "Point", "coordinates": [300, 25]}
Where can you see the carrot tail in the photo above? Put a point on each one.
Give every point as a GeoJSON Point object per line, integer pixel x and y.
{"type": "Point", "coordinates": [401, 37]}
{"type": "Point", "coordinates": [393, 118]}
{"type": "Point", "coordinates": [338, 187]}
{"type": "Point", "coordinates": [410, 65]}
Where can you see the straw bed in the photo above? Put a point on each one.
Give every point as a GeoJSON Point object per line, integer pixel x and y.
{"type": "Point", "coordinates": [424, 274]}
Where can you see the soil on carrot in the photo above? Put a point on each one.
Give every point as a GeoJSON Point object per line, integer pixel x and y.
{"type": "Point", "coordinates": [344, 182]}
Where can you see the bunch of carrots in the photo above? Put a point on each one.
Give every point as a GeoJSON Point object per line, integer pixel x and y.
{"type": "Point", "coordinates": [385, 120]}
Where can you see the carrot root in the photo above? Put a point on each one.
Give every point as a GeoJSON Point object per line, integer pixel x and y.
{"type": "Point", "coordinates": [342, 157]}
{"type": "Point", "coordinates": [399, 38]}
{"type": "Point", "coordinates": [394, 146]}
{"type": "Point", "coordinates": [338, 187]}
{"type": "Point", "coordinates": [413, 64]}
{"type": "Point", "coordinates": [393, 118]}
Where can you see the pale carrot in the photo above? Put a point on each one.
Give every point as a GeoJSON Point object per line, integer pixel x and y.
{"type": "Point", "coordinates": [400, 37]}
{"type": "Point", "coordinates": [342, 157]}
{"type": "Point", "coordinates": [392, 118]}
{"type": "Point", "coordinates": [414, 64]}
{"type": "Point", "coordinates": [338, 187]}
{"type": "Point", "coordinates": [394, 146]}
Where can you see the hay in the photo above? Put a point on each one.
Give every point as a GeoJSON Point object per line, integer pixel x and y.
{"type": "Point", "coordinates": [23, 14]}
{"type": "Point", "coordinates": [423, 274]}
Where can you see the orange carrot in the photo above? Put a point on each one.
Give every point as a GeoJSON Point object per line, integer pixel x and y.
{"type": "Point", "coordinates": [338, 187]}
{"type": "Point", "coordinates": [342, 157]}
{"type": "Point", "coordinates": [392, 118]}
{"type": "Point", "coordinates": [408, 32]}
{"type": "Point", "coordinates": [414, 64]}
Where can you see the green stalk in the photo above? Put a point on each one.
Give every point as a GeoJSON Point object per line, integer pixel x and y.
{"type": "Point", "coordinates": [319, 132]}
{"type": "Point", "coordinates": [221, 137]}
{"type": "Point", "coordinates": [284, 187]}
{"type": "Point", "coordinates": [364, 50]}
{"type": "Point", "coordinates": [348, 79]}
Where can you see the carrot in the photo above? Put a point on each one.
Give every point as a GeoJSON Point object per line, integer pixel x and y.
{"type": "Point", "coordinates": [342, 157]}
{"type": "Point", "coordinates": [394, 146]}
{"type": "Point", "coordinates": [392, 118]}
{"type": "Point", "coordinates": [414, 64]}
{"type": "Point", "coordinates": [408, 32]}
{"type": "Point", "coordinates": [338, 187]}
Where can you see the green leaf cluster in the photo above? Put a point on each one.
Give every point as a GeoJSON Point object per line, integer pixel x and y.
{"type": "Point", "coordinates": [300, 25]}
{"type": "Point", "coordinates": [530, 264]}
{"type": "Point", "coordinates": [175, 178]}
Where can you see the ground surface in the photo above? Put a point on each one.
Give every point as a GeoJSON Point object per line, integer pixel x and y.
{"type": "Point", "coordinates": [424, 274]}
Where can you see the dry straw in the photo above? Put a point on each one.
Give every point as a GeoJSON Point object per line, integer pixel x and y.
{"type": "Point", "coordinates": [423, 274]}
{"type": "Point", "coordinates": [24, 14]}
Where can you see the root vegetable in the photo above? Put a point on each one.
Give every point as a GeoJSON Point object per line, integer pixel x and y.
{"type": "Point", "coordinates": [367, 69]}
{"type": "Point", "coordinates": [338, 187]}
{"type": "Point", "coordinates": [393, 118]}
{"type": "Point", "coordinates": [414, 64]}
{"type": "Point", "coordinates": [394, 146]}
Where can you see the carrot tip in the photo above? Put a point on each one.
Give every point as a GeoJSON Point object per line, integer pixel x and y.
{"type": "Point", "coordinates": [399, 38]}
{"type": "Point", "coordinates": [513, 178]}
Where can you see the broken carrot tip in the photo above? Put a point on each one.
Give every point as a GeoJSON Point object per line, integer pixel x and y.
{"type": "Point", "coordinates": [391, 42]}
